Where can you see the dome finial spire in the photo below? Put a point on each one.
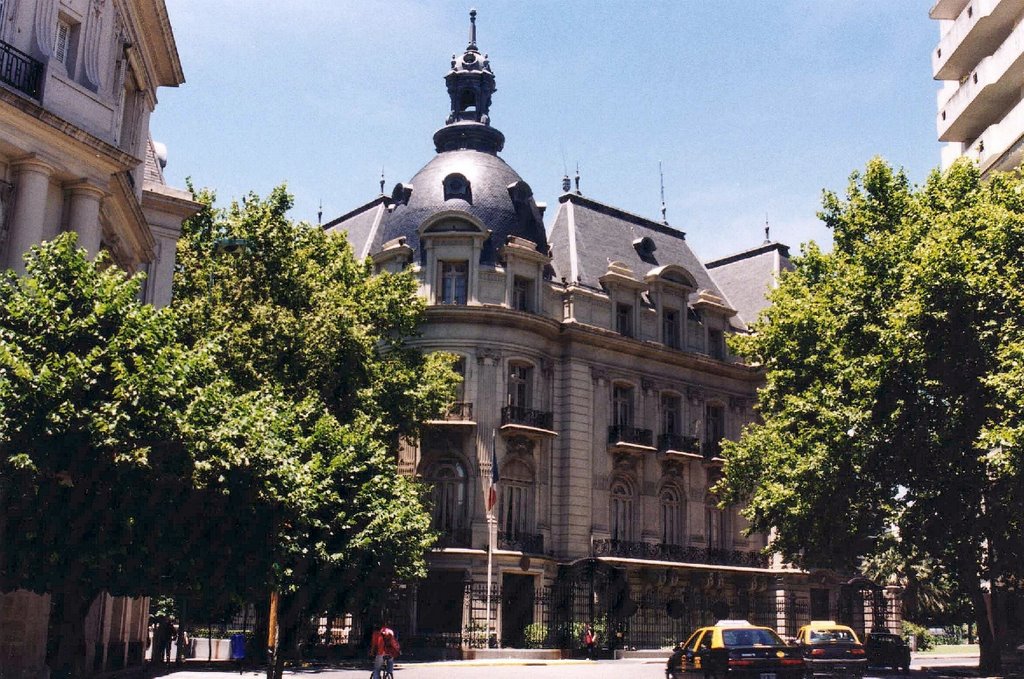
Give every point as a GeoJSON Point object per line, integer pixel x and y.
{"type": "Point", "coordinates": [472, 30]}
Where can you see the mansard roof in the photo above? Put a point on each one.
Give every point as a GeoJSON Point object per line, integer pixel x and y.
{"type": "Point", "coordinates": [748, 276]}
{"type": "Point", "coordinates": [587, 236]}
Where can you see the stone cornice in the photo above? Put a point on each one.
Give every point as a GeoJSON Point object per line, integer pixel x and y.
{"type": "Point", "coordinates": [58, 132]}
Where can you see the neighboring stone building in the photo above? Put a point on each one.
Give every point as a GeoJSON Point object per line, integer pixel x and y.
{"type": "Point", "coordinates": [78, 82]}
{"type": "Point", "coordinates": [598, 376]}
{"type": "Point", "coordinates": [980, 109]}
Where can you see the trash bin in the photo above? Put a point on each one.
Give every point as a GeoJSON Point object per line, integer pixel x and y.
{"type": "Point", "coordinates": [237, 646]}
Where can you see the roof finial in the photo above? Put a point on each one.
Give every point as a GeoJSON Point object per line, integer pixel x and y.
{"type": "Point", "coordinates": [320, 213]}
{"type": "Point", "coordinates": [661, 175]}
{"type": "Point", "coordinates": [578, 192]}
{"type": "Point", "coordinates": [566, 184]}
{"type": "Point", "coordinates": [382, 180]}
{"type": "Point", "coordinates": [472, 30]}
{"type": "Point", "coordinates": [767, 239]}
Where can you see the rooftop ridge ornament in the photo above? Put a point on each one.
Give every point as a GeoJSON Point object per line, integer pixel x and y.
{"type": "Point", "coordinates": [472, 31]}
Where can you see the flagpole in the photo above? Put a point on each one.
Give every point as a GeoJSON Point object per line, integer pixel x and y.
{"type": "Point", "coordinates": [490, 534]}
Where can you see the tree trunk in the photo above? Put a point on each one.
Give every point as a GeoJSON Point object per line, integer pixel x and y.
{"type": "Point", "coordinates": [72, 605]}
{"type": "Point", "coordinates": [990, 662]}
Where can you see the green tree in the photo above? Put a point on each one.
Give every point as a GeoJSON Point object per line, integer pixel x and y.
{"type": "Point", "coordinates": [893, 397]}
{"type": "Point", "coordinates": [314, 348]}
{"type": "Point", "coordinates": [90, 459]}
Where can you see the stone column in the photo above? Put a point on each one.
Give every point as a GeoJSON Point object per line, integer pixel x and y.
{"type": "Point", "coordinates": [31, 185]}
{"type": "Point", "coordinates": [84, 215]}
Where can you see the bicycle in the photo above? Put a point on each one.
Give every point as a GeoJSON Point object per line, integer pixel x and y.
{"type": "Point", "coordinates": [387, 668]}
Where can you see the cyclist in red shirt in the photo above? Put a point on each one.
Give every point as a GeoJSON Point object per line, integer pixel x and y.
{"type": "Point", "coordinates": [384, 648]}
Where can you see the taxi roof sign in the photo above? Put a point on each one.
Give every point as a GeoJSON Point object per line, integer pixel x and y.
{"type": "Point", "coordinates": [734, 623]}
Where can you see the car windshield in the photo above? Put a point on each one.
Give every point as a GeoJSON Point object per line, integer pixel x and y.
{"type": "Point", "coordinates": [750, 637]}
{"type": "Point", "coordinates": [829, 635]}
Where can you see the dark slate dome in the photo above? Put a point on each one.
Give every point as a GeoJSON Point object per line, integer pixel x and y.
{"type": "Point", "coordinates": [467, 175]}
{"type": "Point", "coordinates": [475, 182]}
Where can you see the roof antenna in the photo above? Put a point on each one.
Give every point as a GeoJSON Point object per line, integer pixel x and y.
{"type": "Point", "coordinates": [472, 31]}
{"type": "Point", "coordinates": [766, 237]}
{"type": "Point", "coordinates": [566, 184]}
{"type": "Point", "coordinates": [320, 213]}
{"type": "Point", "coordinates": [382, 180]}
{"type": "Point", "coordinates": [578, 192]}
{"type": "Point", "coordinates": [661, 175]}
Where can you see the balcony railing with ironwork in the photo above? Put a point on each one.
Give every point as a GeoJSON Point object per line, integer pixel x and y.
{"type": "Point", "coordinates": [712, 448]}
{"type": "Point", "coordinates": [459, 412]}
{"type": "Point", "coordinates": [680, 553]}
{"type": "Point", "coordinates": [622, 434]}
{"type": "Point", "coordinates": [455, 537]}
{"type": "Point", "coordinates": [683, 444]}
{"type": "Point", "coordinates": [526, 417]}
{"type": "Point", "coordinates": [521, 542]}
{"type": "Point", "coordinates": [19, 70]}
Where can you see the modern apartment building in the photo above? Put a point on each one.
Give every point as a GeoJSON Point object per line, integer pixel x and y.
{"type": "Point", "coordinates": [980, 59]}
{"type": "Point", "coordinates": [597, 377]}
{"type": "Point", "coordinates": [78, 83]}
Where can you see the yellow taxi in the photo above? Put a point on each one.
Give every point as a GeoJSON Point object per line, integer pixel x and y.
{"type": "Point", "coordinates": [739, 649]}
{"type": "Point", "coordinates": [831, 650]}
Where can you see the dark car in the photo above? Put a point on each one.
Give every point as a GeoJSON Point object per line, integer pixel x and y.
{"type": "Point", "coordinates": [831, 650]}
{"type": "Point", "coordinates": [738, 649]}
{"type": "Point", "coordinates": [885, 649]}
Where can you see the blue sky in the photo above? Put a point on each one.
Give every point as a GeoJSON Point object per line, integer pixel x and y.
{"type": "Point", "coordinates": [753, 106]}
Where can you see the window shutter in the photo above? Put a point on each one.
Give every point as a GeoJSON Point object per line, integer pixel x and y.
{"type": "Point", "coordinates": [60, 48]}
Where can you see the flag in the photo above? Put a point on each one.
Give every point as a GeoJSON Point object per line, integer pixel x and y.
{"type": "Point", "coordinates": [492, 492]}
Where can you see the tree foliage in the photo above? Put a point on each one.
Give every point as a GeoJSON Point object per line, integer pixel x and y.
{"type": "Point", "coordinates": [319, 385]}
{"type": "Point", "coordinates": [893, 397]}
{"type": "Point", "coordinates": [91, 459]}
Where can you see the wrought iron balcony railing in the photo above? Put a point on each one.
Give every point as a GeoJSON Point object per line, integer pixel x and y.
{"type": "Point", "coordinates": [680, 553]}
{"type": "Point", "coordinates": [526, 417]}
{"type": "Point", "coordinates": [623, 434]}
{"type": "Point", "coordinates": [521, 542]}
{"type": "Point", "coordinates": [454, 537]}
{"type": "Point", "coordinates": [683, 444]}
{"type": "Point", "coordinates": [19, 70]}
{"type": "Point", "coordinates": [712, 448]}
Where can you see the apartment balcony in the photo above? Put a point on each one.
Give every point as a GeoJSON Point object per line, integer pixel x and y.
{"type": "Point", "coordinates": [517, 420]}
{"type": "Point", "coordinates": [625, 439]}
{"type": "Point", "coordinates": [978, 29]}
{"type": "Point", "coordinates": [521, 542]}
{"type": "Point", "coordinates": [459, 413]}
{"type": "Point", "coordinates": [455, 537]}
{"type": "Point", "coordinates": [679, 553]}
{"type": "Point", "coordinates": [20, 71]}
{"type": "Point", "coordinates": [678, 443]}
{"type": "Point", "coordinates": [986, 94]}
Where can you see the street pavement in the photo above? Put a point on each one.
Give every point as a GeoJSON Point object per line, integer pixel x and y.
{"type": "Point", "coordinates": [925, 668]}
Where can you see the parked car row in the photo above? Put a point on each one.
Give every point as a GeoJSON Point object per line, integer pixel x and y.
{"type": "Point", "coordinates": [737, 649]}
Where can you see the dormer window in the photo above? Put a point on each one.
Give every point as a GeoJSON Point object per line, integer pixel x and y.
{"type": "Point", "coordinates": [670, 327]}
{"type": "Point", "coordinates": [624, 319]}
{"type": "Point", "coordinates": [457, 186]}
{"type": "Point", "coordinates": [716, 344]}
{"type": "Point", "coordinates": [522, 294]}
{"type": "Point", "coordinates": [454, 283]}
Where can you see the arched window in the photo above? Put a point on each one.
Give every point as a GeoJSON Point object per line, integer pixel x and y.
{"type": "Point", "coordinates": [448, 481]}
{"type": "Point", "coordinates": [673, 516]}
{"type": "Point", "coordinates": [515, 512]}
{"type": "Point", "coordinates": [622, 517]}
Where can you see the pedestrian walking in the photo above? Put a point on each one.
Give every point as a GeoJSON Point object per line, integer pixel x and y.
{"type": "Point", "coordinates": [589, 641]}
{"type": "Point", "coordinates": [384, 649]}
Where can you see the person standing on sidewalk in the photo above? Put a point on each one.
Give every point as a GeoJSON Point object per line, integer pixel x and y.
{"type": "Point", "coordinates": [590, 641]}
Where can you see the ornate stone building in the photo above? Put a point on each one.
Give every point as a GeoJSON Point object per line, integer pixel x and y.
{"type": "Point", "coordinates": [597, 375]}
{"type": "Point", "coordinates": [78, 82]}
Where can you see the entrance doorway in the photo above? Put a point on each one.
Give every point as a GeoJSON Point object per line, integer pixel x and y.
{"type": "Point", "coordinates": [517, 594]}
